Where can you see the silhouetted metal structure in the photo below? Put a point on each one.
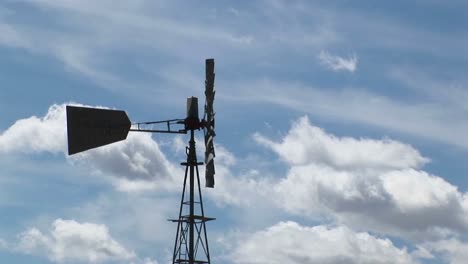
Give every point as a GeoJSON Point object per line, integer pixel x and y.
{"type": "Point", "coordinates": [89, 128]}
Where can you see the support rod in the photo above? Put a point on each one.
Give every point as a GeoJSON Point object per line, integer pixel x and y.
{"type": "Point", "coordinates": [159, 131]}
{"type": "Point", "coordinates": [193, 162]}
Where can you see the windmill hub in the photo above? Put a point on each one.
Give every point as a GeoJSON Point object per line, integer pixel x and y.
{"type": "Point", "coordinates": [192, 122]}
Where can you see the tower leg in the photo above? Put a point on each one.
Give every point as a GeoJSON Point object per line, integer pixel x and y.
{"type": "Point", "coordinates": [191, 242]}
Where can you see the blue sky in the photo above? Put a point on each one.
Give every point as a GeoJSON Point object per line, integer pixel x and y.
{"type": "Point", "coordinates": [341, 129]}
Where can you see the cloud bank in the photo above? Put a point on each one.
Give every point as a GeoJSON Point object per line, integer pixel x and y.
{"type": "Point", "coordinates": [369, 184]}
{"type": "Point", "coordinates": [362, 184]}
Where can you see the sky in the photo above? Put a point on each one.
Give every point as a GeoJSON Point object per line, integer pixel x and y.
{"type": "Point", "coordinates": [341, 129]}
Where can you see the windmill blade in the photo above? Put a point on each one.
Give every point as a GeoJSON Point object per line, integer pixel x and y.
{"type": "Point", "coordinates": [209, 159]}
{"type": "Point", "coordinates": [210, 124]}
{"type": "Point", "coordinates": [89, 128]}
{"type": "Point", "coordinates": [209, 83]}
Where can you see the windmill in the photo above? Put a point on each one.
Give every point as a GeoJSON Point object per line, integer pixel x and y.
{"type": "Point", "coordinates": [89, 128]}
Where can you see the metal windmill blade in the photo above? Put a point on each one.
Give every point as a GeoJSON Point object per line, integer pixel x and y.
{"type": "Point", "coordinates": [210, 124]}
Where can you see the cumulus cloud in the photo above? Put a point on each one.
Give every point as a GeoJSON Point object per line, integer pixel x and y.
{"type": "Point", "coordinates": [37, 134]}
{"type": "Point", "coordinates": [137, 163]}
{"type": "Point", "coordinates": [70, 241]}
{"type": "Point", "coordinates": [374, 201]}
{"type": "Point", "coordinates": [305, 144]}
{"type": "Point", "coordinates": [453, 250]}
{"type": "Point", "coordinates": [369, 184]}
{"type": "Point", "coordinates": [289, 242]}
{"type": "Point", "coordinates": [337, 63]}
{"type": "Point", "coordinates": [134, 164]}
{"type": "Point", "coordinates": [245, 190]}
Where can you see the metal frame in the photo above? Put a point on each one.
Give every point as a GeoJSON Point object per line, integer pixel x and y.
{"type": "Point", "coordinates": [191, 228]}
{"type": "Point", "coordinates": [89, 128]}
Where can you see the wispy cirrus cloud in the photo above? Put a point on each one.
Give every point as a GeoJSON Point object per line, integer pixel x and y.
{"type": "Point", "coordinates": [430, 120]}
{"type": "Point", "coordinates": [442, 87]}
{"type": "Point", "coordinates": [337, 63]}
{"type": "Point", "coordinates": [91, 51]}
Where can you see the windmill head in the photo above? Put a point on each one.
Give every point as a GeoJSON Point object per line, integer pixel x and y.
{"type": "Point", "coordinates": [192, 121]}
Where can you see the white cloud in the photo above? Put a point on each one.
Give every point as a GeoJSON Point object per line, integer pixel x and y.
{"type": "Point", "coordinates": [244, 190]}
{"type": "Point", "coordinates": [368, 184]}
{"type": "Point", "coordinates": [70, 241]}
{"type": "Point", "coordinates": [337, 63]}
{"type": "Point", "coordinates": [289, 242]}
{"type": "Point", "coordinates": [9, 36]}
{"type": "Point", "coordinates": [3, 244]}
{"type": "Point", "coordinates": [36, 134]}
{"type": "Point", "coordinates": [453, 250]}
{"type": "Point", "coordinates": [146, 228]}
{"type": "Point", "coordinates": [415, 190]}
{"type": "Point", "coordinates": [134, 164]}
{"type": "Point", "coordinates": [305, 144]}
{"type": "Point", "coordinates": [148, 261]}
{"type": "Point", "coordinates": [445, 91]}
